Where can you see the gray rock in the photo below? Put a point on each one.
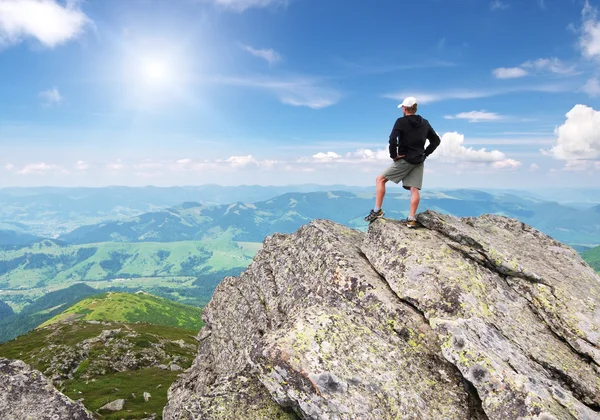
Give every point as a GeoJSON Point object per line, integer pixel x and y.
{"type": "Point", "coordinates": [476, 318]}
{"type": "Point", "coordinates": [147, 396]}
{"type": "Point", "coordinates": [116, 405]}
{"type": "Point", "coordinates": [27, 394]}
{"type": "Point", "coordinates": [175, 367]}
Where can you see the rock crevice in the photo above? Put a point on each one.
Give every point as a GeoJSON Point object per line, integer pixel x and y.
{"type": "Point", "coordinates": [474, 318]}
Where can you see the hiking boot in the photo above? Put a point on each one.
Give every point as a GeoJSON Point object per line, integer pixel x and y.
{"type": "Point", "coordinates": [411, 223]}
{"type": "Point", "coordinates": [374, 215]}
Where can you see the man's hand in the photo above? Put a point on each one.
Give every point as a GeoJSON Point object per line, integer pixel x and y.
{"type": "Point", "coordinates": [399, 157]}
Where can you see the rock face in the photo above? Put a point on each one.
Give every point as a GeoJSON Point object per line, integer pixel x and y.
{"type": "Point", "coordinates": [473, 318]}
{"type": "Point", "coordinates": [26, 394]}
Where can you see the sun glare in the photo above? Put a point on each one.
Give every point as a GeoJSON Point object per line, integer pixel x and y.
{"type": "Point", "coordinates": [155, 72]}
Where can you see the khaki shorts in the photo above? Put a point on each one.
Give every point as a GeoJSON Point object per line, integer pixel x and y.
{"type": "Point", "coordinates": [410, 175]}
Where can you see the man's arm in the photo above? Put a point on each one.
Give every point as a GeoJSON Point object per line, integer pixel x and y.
{"type": "Point", "coordinates": [434, 141]}
{"type": "Point", "coordinates": [395, 139]}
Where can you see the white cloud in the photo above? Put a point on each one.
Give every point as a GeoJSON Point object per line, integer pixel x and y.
{"type": "Point", "coordinates": [509, 72]}
{"type": "Point", "coordinates": [294, 91]}
{"type": "Point", "coordinates": [498, 5]}
{"type": "Point", "coordinates": [325, 157]}
{"type": "Point", "coordinates": [430, 97]}
{"type": "Point", "coordinates": [9, 166]}
{"type": "Point", "coordinates": [534, 167]}
{"type": "Point", "coordinates": [452, 149]}
{"type": "Point", "coordinates": [579, 136]}
{"type": "Point", "coordinates": [592, 87]}
{"type": "Point", "coordinates": [117, 166]}
{"type": "Point", "coordinates": [51, 97]}
{"type": "Point", "coordinates": [82, 165]}
{"type": "Point", "coordinates": [48, 21]}
{"type": "Point", "coordinates": [40, 169]}
{"type": "Point", "coordinates": [476, 116]}
{"type": "Point", "coordinates": [506, 164]}
{"type": "Point", "coordinates": [269, 55]}
{"type": "Point", "coordinates": [369, 155]}
{"type": "Point", "coordinates": [551, 65]}
{"type": "Point", "coordinates": [589, 40]}
{"type": "Point", "coordinates": [238, 161]}
{"type": "Point", "coordinates": [241, 5]}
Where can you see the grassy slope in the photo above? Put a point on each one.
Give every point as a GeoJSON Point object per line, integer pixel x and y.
{"type": "Point", "coordinates": [592, 257]}
{"type": "Point", "coordinates": [106, 388]}
{"type": "Point", "coordinates": [127, 307]}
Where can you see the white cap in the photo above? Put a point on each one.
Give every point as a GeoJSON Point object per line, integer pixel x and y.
{"type": "Point", "coordinates": [408, 102]}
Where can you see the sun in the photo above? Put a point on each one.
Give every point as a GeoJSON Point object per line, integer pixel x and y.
{"type": "Point", "coordinates": [155, 72]}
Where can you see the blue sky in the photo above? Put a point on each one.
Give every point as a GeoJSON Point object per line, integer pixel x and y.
{"type": "Point", "coordinates": [272, 92]}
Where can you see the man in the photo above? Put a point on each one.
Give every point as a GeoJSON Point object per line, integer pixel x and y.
{"type": "Point", "coordinates": [407, 149]}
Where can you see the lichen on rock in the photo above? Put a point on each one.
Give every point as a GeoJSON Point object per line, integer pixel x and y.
{"type": "Point", "coordinates": [474, 318]}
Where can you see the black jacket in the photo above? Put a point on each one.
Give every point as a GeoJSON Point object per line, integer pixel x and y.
{"type": "Point", "coordinates": [408, 138]}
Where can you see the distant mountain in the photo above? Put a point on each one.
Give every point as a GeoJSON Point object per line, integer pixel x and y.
{"type": "Point", "coordinates": [42, 309]}
{"type": "Point", "coordinates": [5, 310]}
{"type": "Point", "coordinates": [592, 257]}
{"type": "Point", "coordinates": [132, 308]}
{"type": "Point", "coordinates": [12, 237]}
{"type": "Point", "coordinates": [287, 212]}
{"type": "Point", "coordinates": [51, 211]}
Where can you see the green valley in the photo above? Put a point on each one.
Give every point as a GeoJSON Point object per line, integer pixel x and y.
{"type": "Point", "coordinates": [178, 270]}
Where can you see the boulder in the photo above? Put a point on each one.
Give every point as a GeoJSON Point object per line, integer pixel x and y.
{"type": "Point", "coordinates": [472, 318]}
{"type": "Point", "coordinates": [27, 394]}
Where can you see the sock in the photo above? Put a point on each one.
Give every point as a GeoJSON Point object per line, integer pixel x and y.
{"type": "Point", "coordinates": [376, 209]}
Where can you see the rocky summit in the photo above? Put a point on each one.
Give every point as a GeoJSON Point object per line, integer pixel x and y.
{"type": "Point", "coordinates": [471, 318]}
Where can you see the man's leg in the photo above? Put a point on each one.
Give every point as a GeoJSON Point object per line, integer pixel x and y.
{"type": "Point", "coordinates": [379, 191]}
{"type": "Point", "coordinates": [415, 198]}
{"type": "Point", "coordinates": [377, 212]}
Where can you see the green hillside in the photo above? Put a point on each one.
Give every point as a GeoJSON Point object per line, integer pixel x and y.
{"type": "Point", "coordinates": [99, 361]}
{"type": "Point", "coordinates": [592, 257]}
{"type": "Point", "coordinates": [176, 270]}
{"type": "Point", "coordinates": [132, 308]}
{"type": "Point", "coordinates": [41, 310]}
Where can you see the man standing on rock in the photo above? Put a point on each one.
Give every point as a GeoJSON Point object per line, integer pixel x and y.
{"type": "Point", "coordinates": [407, 149]}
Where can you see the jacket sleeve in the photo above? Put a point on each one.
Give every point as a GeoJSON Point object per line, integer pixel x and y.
{"type": "Point", "coordinates": [434, 141]}
{"type": "Point", "coordinates": [395, 137]}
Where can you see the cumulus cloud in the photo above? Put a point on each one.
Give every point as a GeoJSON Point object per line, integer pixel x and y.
{"type": "Point", "coordinates": [48, 21]}
{"type": "Point", "coordinates": [51, 97]}
{"type": "Point", "coordinates": [592, 87]}
{"type": "Point", "coordinates": [506, 164]}
{"type": "Point", "coordinates": [476, 116]}
{"type": "Point", "coordinates": [509, 72]}
{"type": "Point", "coordinates": [589, 41]}
{"type": "Point", "coordinates": [579, 136]}
{"type": "Point", "coordinates": [269, 55]}
{"type": "Point", "coordinates": [452, 149]}
{"type": "Point", "coordinates": [238, 161]}
{"type": "Point", "coordinates": [241, 5]}
{"type": "Point", "coordinates": [534, 167]}
{"type": "Point", "coordinates": [39, 169]}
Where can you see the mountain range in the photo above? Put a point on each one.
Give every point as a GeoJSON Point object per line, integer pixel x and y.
{"type": "Point", "coordinates": [287, 212]}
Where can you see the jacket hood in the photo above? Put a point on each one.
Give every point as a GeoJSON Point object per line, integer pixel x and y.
{"type": "Point", "coordinates": [415, 120]}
